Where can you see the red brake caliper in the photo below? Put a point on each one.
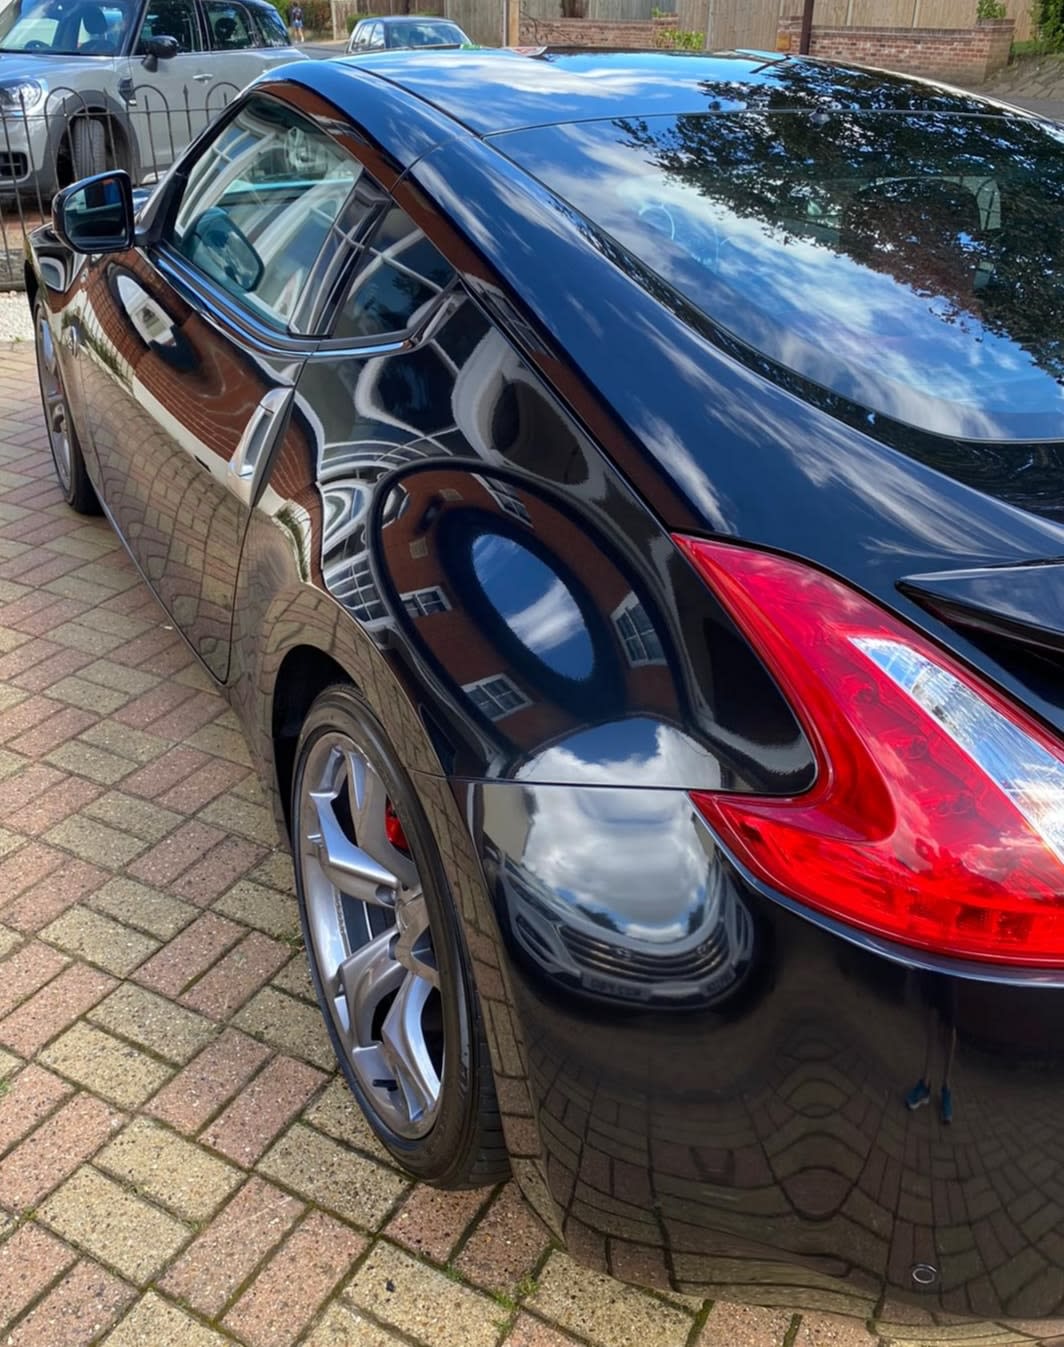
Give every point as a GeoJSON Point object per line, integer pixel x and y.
{"type": "Point", "coordinates": [394, 828]}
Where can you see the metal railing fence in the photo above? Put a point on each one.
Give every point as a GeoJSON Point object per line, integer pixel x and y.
{"type": "Point", "coordinates": [49, 141]}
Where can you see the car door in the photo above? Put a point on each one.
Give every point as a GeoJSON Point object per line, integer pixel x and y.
{"type": "Point", "coordinates": [169, 98]}
{"type": "Point", "coordinates": [236, 54]}
{"type": "Point", "coordinates": [192, 345]}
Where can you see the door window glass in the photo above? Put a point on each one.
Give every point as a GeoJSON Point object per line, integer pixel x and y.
{"type": "Point", "coordinates": [229, 26]}
{"type": "Point", "coordinates": [171, 18]}
{"type": "Point", "coordinates": [258, 205]}
{"type": "Point", "coordinates": [376, 37]}
{"type": "Point", "coordinates": [397, 276]}
{"type": "Point", "coordinates": [271, 27]}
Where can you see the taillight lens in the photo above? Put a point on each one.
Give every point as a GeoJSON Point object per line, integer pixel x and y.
{"type": "Point", "coordinates": [937, 816]}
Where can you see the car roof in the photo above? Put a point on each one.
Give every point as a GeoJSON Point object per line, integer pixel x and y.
{"type": "Point", "coordinates": [496, 90]}
{"type": "Point", "coordinates": [393, 20]}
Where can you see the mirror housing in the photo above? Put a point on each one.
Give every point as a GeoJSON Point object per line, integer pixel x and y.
{"type": "Point", "coordinates": [96, 214]}
{"type": "Point", "coordinates": [156, 49]}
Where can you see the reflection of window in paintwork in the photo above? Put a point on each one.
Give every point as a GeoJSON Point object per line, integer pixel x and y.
{"type": "Point", "coordinates": [640, 640]}
{"type": "Point", "coordinates": [496, 697]}
{"type": "Point", "coordinates": [422, 602]}
{"type": "Point", "coordinates": [506, 497]}
{"type": "Point", "coordinates": [399, 274]}
{"type": "Point", "coordinates": [360, 592]}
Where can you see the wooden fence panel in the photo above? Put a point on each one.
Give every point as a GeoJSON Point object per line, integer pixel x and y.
{"type": "Point", "coordinates": [745, 23]}
{"type": "Point", "coordinates": [481, 19]}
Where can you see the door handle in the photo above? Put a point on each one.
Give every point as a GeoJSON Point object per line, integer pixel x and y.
{"type": "Point", "coordinates": [202, 76]}
{"type": "Point", "coordinates": [245, 471]}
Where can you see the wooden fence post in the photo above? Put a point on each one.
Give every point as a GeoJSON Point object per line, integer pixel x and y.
{"type": "Point", "coordinates": [806, 34]}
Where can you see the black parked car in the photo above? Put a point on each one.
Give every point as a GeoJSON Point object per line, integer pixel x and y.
{"type": "Point", "coordinates": [623, 497]}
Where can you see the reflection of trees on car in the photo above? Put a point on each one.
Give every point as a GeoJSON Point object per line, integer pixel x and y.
{"type": "Point", "coordinates": [999, 266]}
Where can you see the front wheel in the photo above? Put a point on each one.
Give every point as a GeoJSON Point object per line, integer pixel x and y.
{"type": "Point", "coordinates": [66, 452]}
{"type": "Point", "coordinates": [88, 147]}
{"type": "Point", "coordinates": [386, 952]}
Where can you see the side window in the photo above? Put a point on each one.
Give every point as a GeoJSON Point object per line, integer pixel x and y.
{"type": "Point", "coordinates": [397, 275]}
{"type": "Point", "coordinates": [271, 27]}
{"type": "Point", "coordinates": [376, 37]}
{"type": "Point", "coordinates": [258, 205]}
{"type": "Point", "coordinates": [229, 26]}
{"type": "Point", "coordinates": [171, 18]}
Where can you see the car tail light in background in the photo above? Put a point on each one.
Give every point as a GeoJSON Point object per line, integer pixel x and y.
{"type": "Point", "coordinates": [937, 816]}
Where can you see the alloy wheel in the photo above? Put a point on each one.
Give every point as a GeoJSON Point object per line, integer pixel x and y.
{"type": "Point", "coordinates": [55, 408]}
{"type": "Point", "coordinates": [369, 925]}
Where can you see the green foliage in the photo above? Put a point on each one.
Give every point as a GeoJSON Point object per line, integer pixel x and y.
{"type": "Point", "coordinates": [990, 9]}
{"type": "Point", "coordinates": [680, 39]}
{"type": "Point", "coordinates": [1049, 17]}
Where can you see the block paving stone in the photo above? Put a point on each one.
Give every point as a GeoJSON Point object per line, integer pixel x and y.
{"type": "Point", "coordinates": [180, 1163]}
{"type": "Point", "coordinates": [99, 1061]}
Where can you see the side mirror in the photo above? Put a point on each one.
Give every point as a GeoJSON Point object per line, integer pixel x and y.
{"type": "Point", "coordinates": [96, 214]}
{"type": "Point", "coordinates": [156, 49]}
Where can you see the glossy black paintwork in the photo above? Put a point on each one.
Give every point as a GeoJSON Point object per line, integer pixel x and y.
{"type": "Point", "coordinates": [697, 1079]}
{"type": "Point", "coordinates": [1022, 603]}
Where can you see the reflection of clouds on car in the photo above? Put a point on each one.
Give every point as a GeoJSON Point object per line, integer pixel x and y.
{"type": "Point", "coordinates": [616, 894]}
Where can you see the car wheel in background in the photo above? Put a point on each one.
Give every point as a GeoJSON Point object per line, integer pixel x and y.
{"type": "Point", "coordinates": [66, 452]}
{"type": "Point", "coordinates": [386, 952]}
{"type": "Point", "coordinates": [88, 147]}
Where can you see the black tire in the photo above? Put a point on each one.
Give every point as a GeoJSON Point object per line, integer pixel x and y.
{"type": "Point", "coordinates": [73, 480]}
{"type": "Point", "coordinates": [465, 1147]}
{"type": "Point", "coordinates": [88, 147]}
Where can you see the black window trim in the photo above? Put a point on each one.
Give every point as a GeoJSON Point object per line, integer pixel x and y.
{"type": "Point", "coordinates": [410, 336]}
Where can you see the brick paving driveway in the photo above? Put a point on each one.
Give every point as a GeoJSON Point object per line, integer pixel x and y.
{"type": "Point", "coordinates": [179, 1165]}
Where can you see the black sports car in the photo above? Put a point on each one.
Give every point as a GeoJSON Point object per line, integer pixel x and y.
{"type": "Point", "coordinates": [623, 497]}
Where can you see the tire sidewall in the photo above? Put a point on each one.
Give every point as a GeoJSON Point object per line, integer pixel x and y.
{"type": "Point", "coordinates": [437, 1155]}
{"type": "Point", "coordinates": [40, 314]}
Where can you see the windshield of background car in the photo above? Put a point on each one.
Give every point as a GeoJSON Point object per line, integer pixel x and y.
{"type": "Point", "coordinates": [64, 29]}
{"type": "Point", "coordinates": [427, 35]}
{"type": "Point", "coordinates": [912, 263]}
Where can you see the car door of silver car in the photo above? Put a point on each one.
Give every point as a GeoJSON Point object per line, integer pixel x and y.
{"type": "Point", "coordinates": [170, 99]}
{"type": "Point", "coordinates": [236, 55]}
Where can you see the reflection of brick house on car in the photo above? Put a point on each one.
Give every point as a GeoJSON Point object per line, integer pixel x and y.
{"type": "Point", "coordinates": [506, 691]}
{"type": "Point", "coordinates": [171, 494]}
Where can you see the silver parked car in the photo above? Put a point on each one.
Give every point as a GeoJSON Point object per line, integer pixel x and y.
{"type": "Point", "coordinates": [389, 34]}
{"type": "Point", "coordinates": [87, 85]}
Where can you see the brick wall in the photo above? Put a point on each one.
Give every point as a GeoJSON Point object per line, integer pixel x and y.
{"type": "Point", "coordinates": [961, 55]}
{"type": "Point", "coordinates": [636, 35]}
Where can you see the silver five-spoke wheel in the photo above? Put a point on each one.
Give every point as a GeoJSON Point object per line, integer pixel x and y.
{"type": "Point", "coordinates": [369, 925]}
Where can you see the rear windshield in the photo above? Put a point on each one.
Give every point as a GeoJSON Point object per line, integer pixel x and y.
{"type": "Point", "coordinates": [912, 263]}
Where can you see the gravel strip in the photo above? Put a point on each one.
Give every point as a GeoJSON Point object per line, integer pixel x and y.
{"type": "Point", "coordinates": [15, 321]}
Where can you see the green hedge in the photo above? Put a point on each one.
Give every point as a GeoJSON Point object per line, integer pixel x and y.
{"type": "Point", "coordinates": [1049, 15]}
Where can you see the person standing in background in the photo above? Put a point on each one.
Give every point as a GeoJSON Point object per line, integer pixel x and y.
{"type": "Point", "coordinates": [295, 18]}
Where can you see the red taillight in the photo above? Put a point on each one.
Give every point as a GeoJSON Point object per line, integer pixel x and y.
{"type": "Point", "coordinates": [937, 816]}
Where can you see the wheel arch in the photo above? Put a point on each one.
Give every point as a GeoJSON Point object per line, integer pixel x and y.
{"type": "Point", "coordinates": [304, 673]}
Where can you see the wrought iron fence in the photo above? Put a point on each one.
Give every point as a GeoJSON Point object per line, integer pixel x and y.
{"type": "Point", "coordinates": [48, 141]}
